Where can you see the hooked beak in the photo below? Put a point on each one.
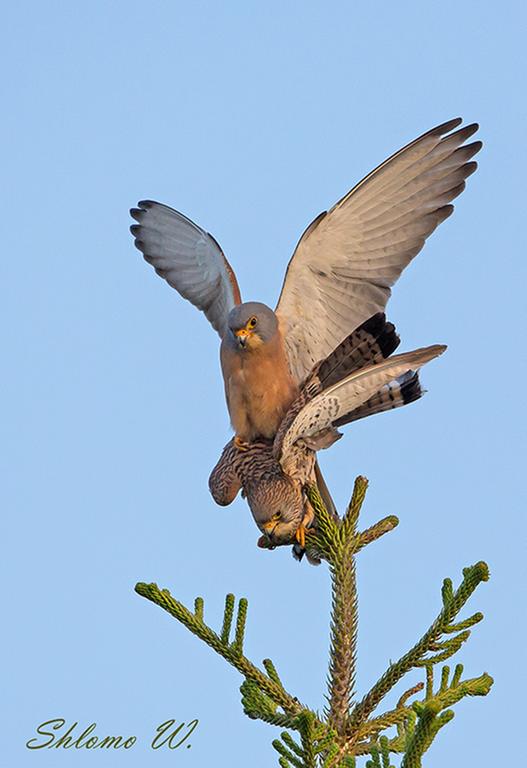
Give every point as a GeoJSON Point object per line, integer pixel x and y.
{"type": "Point", "coordinates": [269, 527]}
{"type": "Point", "coordinates": [241, 336]}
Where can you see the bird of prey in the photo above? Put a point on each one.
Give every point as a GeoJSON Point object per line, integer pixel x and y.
{"type": "Point", "coordinates": [340, 273]}
{"type": "Point", "coordinates": [357, 379]}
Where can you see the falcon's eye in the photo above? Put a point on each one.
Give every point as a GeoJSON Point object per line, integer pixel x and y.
{"type": "Point", "coordinates": [277, 516]}
{"type": "Point", "coordinates": [252, 322]}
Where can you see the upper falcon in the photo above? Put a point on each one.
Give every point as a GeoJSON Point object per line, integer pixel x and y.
{"type": "Point", "coordinates": [340, 273]}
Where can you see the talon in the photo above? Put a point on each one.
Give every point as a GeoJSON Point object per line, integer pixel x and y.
{"type": "Point", "coordinates": [240, 444]}
{"type": "Point", "coordinates": [300, 535]}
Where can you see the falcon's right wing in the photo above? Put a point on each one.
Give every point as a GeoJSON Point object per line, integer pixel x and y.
{"type": "Point", "coordinates": [189, 259]}
{"type": "Point", "coordinates": [347, 260]}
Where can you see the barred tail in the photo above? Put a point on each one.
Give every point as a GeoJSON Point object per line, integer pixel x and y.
{"type": "Point", "coordinates": [403, 390]}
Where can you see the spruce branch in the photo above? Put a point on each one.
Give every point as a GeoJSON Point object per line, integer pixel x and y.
{"type": "Point", "coordinates": [198, 608]}
{"type": "Point", "coordinates": [351, 516]}
{"type": "Point", "coordinates": [288, 754]}
{"type": "Point", "coordinates": [374, 726]}
{"type": "Point", "coordinates": [292, 745]}
{"type": "Point", "coordinates": [418, 725]}
{"type": "Point", "coordinates": [271, 671]}
{"type": "Point", "coordinates": [401, 717]}
{"type": "Point", "coordinates": [332, 532]}
{"type": "Point", "coordinates": [448, 695]}
{"type": "Point", "coordinates": [315, 739]}
{"type": "Point", "coordinates": [453, 602]}
{"type": "Point", "coordinates": [259, 706]}
{"type": "Point", "coordinates": [232, 652]}
{"type": "Point", "coordinates": [409, 693]}
{"type": "Point", "coordinates": [380, 756]}
{"type": "Point", "coordinates": [241, 619]}
{"type": "Point", "coordinates": [344, 613]}
{"type": "Point", "coordinates": [428, 725]}
{"type": "Point", "coordinates": [338, 541]}
{"type": "Point", "coordinates": [326, 540]}
{"type": "Point", "coordinates": [375, 531]}
{"type": "Point", "coordinates": [227, 618]}
{"type": "Point", "coordinates": [434, 712]}
{"type": "Point", "coordinates": [312, 732]}
{"type": "Point", "coordinates": [343, 639]}
{"type": "Point", "coordinates": [332, 756]}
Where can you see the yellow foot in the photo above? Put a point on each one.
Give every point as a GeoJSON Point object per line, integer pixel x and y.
{"type": "Point", "coordinates": [304, 529]}
{"type": "Point", "coordinates": [300, 535]}
{"type": "Point", "coordinates": [240, 444]}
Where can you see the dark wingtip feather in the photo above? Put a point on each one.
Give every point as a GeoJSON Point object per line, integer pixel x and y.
{"type": "Point", "coordinates": [372, 339]}
{"type": "Point", "coordinates": [388, 340]}
{"type": "Point", "coordinates": [374, 324]}
{"type": "Point", "coordinates": [444, 212]}
{"type": "Point", "coordinates": [383, 332]}
{"type": "Point", "coordinates": [449, 125]}
{"type": "Point", "coordinates": [465, 133]}
{"type": "Point", "coordinates": [470, 168]}
{"type": "Point", "coordinates": [474, 146]}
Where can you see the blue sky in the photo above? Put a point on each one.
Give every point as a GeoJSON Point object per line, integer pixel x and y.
{"type": "Point", "coordinates": [251, 118]}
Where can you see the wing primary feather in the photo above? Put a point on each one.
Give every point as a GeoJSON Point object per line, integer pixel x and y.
{"type": "Point", "coordinates": [188, 258]}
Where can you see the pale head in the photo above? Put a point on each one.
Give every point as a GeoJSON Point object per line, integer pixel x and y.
{"type": "Point", "coordinates": [277, 508]}
{"type": "Point", "coordinates": [250, 325]}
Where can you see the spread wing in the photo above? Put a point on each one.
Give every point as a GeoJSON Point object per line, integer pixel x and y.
{"type": "Point", "coordinates": [331, 406]}
{"type": "Point", "coordinates": [188, 258]}
{"type": "Point", "coordinates": [347, 259]}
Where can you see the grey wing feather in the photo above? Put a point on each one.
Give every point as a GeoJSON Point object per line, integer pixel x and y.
{"type": "Point", "coordinates": [347, 259]}
{"type": "Point", "coordinates": [331, 406]}
{"type": "Point", "coordinates": [188, 258]}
